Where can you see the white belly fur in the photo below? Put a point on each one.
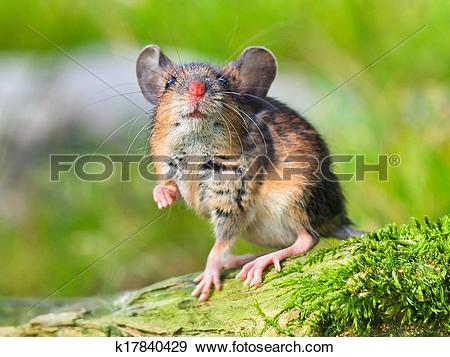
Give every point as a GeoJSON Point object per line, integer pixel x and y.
{"type": "Point", "coordinates": [270, 225]}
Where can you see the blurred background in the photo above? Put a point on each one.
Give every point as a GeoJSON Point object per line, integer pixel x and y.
{"type": "Point", "coordinates": [50, 103]}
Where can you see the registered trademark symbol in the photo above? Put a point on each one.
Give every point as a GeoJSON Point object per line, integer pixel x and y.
{"type": "Point", "coordinates": [394, 160]}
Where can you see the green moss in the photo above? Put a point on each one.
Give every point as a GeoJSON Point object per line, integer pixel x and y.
{"type": "Point", "coordinates": [394, 281]}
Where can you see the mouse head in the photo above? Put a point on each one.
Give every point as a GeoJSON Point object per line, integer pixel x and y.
{"type": "Point", "coordinates": [199, 91]}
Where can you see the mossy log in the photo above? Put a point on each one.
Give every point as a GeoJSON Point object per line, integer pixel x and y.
{"type": "Point", "coordinates": [167, 309]}
{"type": "Point", "coordinates": [391, 282]}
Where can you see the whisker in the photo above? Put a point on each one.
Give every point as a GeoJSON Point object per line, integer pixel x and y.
{"type": "Point", "coordinates": [132, 127]}
{"type": "Point", "coordinates": [117, 130]}
{"type": "Point", "coordinates": [264, 31]}
{"type": "Point", "coordinates": [256, 97]}
{"type": "Point", "coordinates": [260, 132]}
{"type": "Point", "coordinates": [237, 110]}
{"type": "Point", "coordinates": [229, 132]}
{"type": "Point", "coordinates": [237, 134]}
{"type": "Point", "coordinates": [244, 126]}
{"type": "Point", "coordinates": [114, 96]}
{"type": "Point", "coordinates": [274, 131]}
{"type": "Point", "coordinates": [137, 135]}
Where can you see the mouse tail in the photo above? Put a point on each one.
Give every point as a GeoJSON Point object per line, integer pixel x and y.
{"type": "Point", "coordinates": [347, 231]}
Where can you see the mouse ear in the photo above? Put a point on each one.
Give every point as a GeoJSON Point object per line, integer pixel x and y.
{"type": "Point", "coordinates": [151, 69]}
{"type": "Point", "coordinates": [256, 68]}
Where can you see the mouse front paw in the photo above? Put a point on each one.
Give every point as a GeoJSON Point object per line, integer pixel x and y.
{"type": "Point", "coordinates": [165, 196]}
{"type": "Point", "coordinates": [206, 281]}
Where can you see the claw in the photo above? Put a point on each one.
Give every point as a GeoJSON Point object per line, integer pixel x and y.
{"type": "Point", "coordinates": [276, 263]}
{"type": "Point", "coordinates": [198, 278]}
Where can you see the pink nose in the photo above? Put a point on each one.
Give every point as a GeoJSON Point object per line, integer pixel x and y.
{"type": "Point", "coordinates": [196, 88]}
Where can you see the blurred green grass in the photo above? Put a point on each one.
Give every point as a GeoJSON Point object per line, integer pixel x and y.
{"type": "Point", "coordinates": [398, 106]}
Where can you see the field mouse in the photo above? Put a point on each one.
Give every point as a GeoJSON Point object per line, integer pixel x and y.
{"type": "Point", "coordinates": [264, 171]}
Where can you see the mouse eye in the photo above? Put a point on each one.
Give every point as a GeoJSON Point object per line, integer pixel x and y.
{"type": "Point", "coordinates": [171, 82]}
{"type": "Point", "coordinates": [222, 80]}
